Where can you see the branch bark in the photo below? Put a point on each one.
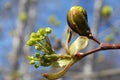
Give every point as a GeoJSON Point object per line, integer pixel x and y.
{"type": "Point", "coordinates": [18, 40]}
{"type": "Point", "coordinates": [29, 28]}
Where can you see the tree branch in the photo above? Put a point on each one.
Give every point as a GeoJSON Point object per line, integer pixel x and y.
{"type": "Point", "coordinates": [102, 46]}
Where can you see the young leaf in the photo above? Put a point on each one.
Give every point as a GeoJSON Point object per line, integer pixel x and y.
{"type": "Point", "coordinates": [79, 44]}
{"type": "Point", "coordinates": [59, 74]}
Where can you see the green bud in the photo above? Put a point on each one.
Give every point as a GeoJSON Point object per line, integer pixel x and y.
{"type": "Point", "coordinates": [37, 47]}
{"type": "Point", "coordinates": [30, 57]}
{"type": "Point", "coordinates": [53, 57]}
{"type": "Point", "coordinates": [48, 30]}
{"type": "Point", "coordinates": [37, 54]}
{"type": "Point", "coordinates": [31, 42]}
{"type": "Point", "coordinates": [38, 35]}
{"type": "Point", "coordinates": [45, 64]}
{"type": "Point", "coordinates": [32, 62]}
{"type": "Point", "coordinates": [42, 31]}
{"type": "Point", "coordinates": [36, 65]}
{"type": "Point", "coordinates": [41, 37]}
{"type": "Point", "coordinates": [33, 35]}
{"type": "Point", "coordinates": [77, 20]}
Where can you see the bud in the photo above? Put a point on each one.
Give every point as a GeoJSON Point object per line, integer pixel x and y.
{"type": "Point", "coordinates": [37, 54]}
{"type": "Point", "coordinates": [45, 64]}
{"type": "Point", "coordinates": [33, 35]}
{"type": "Point", "coordinates": [48, 30]}
{"type": "Point", "coordinates": [32, 62]}
{"type": "Point", "coordinates": [37, 47]}
{"type": "Point", "coordinates": [36, 66]}
{"type": "Point", "coordinates": [31, 42]}
{"type": "Point", "coordinates": [30, 57]}
{"type": "Point", "coordinates": [77, 20]}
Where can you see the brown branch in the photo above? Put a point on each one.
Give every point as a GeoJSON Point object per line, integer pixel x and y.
{"type": "Point", "coordinates": [107, 46]}
{"type": "Point", "coordinates": [94, 39]}
{"type": "Point", "coordinates": [92, 51]}
{"type": "Point", "coordinates": [102, 46]}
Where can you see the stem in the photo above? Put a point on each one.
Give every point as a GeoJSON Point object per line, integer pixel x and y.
{"type": "Point", "coordinates": [94, 39]}
{"type": "Point", "coordinates": [68, 40]}
{"type": "Point", "coordinates": [103, 46]}
{"type": "Point", "coordinates": [106, 46]}
{"type": "Point", "coordinates": [92, 51]}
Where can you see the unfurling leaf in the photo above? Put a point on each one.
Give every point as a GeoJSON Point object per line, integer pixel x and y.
{"type": "Point", "coordinates": [59, 74]}
{"type": "Point", "coordinates": [79, 44]}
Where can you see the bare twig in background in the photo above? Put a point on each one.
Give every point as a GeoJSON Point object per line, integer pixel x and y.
{"type": "Point", "coordinates": [26, 50]}
{"type": "Point", "coordinates": [18, 40]}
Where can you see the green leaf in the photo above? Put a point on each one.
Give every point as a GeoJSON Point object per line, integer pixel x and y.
{"type": "Point", "coordinates": [54, 76]}
{"type": "Point", "coordinates": [63, 63]}
{"type": "Point", "coordinates": [79, 44]}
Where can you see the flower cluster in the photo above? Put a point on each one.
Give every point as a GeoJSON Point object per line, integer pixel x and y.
{"type": "Point", "coordinates": [46, 54]}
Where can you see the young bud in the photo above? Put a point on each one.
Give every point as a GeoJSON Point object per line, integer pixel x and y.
{"type": "Point", "coordinates": [77, 20]}
{"type": "Point", "coordinates": [37, 54]}
{"type": "Point", "coordinates": [36, 66]}
{"type": "Point", "coordinates": [32, 62]}
{"type": "Point", "coordinates": [37, 47]}
{"type": "Point", "coordinates": [33, 35]}
{"type": "Point", "coordinates": [31, 42]}
{"type": "Point", "coordinates": [45, 64]}
{"type": "Point", "coordinates": [48, 30]}
{"type": "Point", "coordinates": [30, 57]}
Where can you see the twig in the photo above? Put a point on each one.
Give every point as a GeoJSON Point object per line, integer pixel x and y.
{"type": "Point", "coordinates": [92, 51]}
{"type": "Point", "coordinates": [94, 39]}
{"type": "Point", "coordinates": [102, 46]}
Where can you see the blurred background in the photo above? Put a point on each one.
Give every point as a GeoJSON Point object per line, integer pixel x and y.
{"type": "Point", "coordinates": [18, 18]}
